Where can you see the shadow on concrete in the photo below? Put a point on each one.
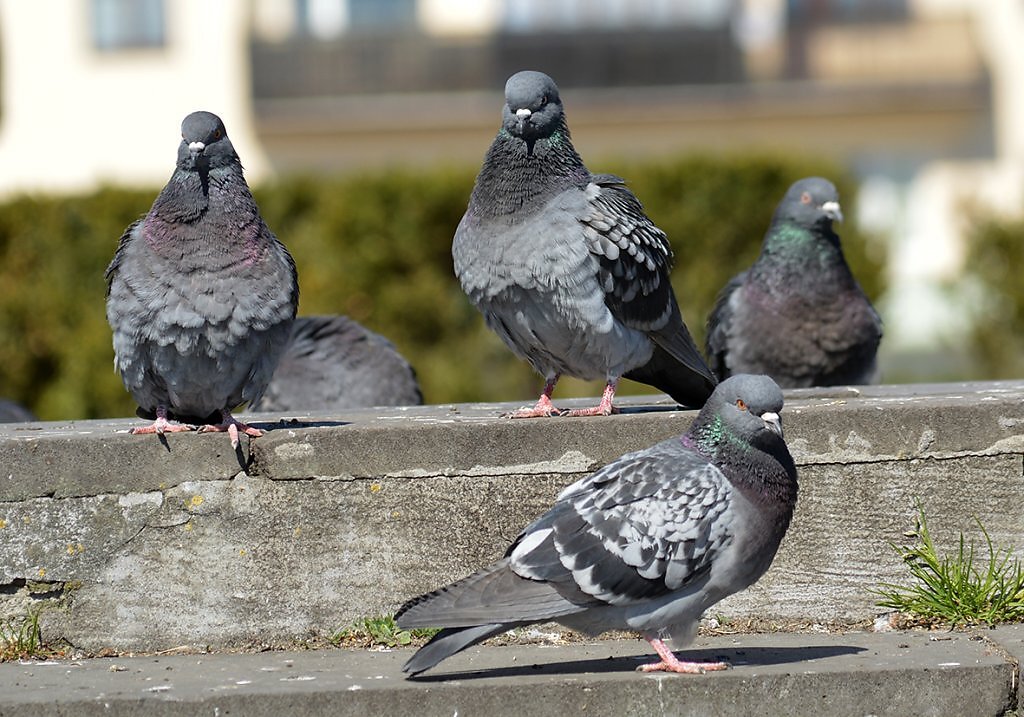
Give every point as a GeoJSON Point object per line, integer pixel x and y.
{"type": "Point", "coordinates": [745, 657]}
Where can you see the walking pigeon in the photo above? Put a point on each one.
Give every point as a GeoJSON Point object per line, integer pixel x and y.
{"type": "Point", "coordinates": [566, 267]}
{"type": "Point", "coordinates": [797, 314]}
{"type": "Point", "coordinates": [200, 294]}
{"type": "Point", "coordinates": [334, 363]}
{"type": "Point", "coordinates": [647, 543]}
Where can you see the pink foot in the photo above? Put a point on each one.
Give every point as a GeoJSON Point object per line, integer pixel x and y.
{"type": "Point", "coordinates": [543, 409]}
{"type": "Point", "coordinates": [161, 425]}
{"type": "Point", "coordinates": [670, 663]}
{"type": "Point", "coordinates": [231, 426]}
{"type": "Point", "coordinates": [605, 408]}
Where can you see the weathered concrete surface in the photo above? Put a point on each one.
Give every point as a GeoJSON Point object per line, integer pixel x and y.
{"type": "Point", "coordinates": [332, 517]}
{"type": "Point", "coordinates": [851, 675]}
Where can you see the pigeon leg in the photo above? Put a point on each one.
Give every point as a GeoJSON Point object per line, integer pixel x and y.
{"type": "Point", "coordinates": [161, 425]}
{"type": "Point", "coordinates": [671, 663]}
{"type": "Point", "coordinates": [605, 408]}
{"type": "Point", "coordinates": [544, 407]}
{"type": "Point", "coordinates": [232, 426]}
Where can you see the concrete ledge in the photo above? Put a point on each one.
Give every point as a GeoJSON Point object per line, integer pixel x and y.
{"type": "Point", "coordinates": [327, 518]}
{"type": "Point", "coordinates": [837, 675]}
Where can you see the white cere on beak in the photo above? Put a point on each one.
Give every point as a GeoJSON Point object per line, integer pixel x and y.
{"type": "Point", "coordinates": [523, 113]}
{"type": "Point", "coordinates": [833, 211]}
{"type": "Point", "coordinates": [196, 147]}
{"type": "Point", "coordinates": [773, 422]}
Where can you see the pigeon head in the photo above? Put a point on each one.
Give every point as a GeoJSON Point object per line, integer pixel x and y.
{"type": "Point", "coordinates": [744, 407]}
{"type": "Point", "coordinates": [533, 109]}
{"type": "Point", "coordinates": [204, 143]}
{"type": "Point", "coordinates": [810, 202]}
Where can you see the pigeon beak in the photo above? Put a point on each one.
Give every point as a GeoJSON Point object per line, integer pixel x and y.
{"type": "Point", "coordinates": [832, 211]}
{"type": "Point", "coordinates": [523, 115]}
{"type": "Point", "coordinates": [772, 422]}
{"type": "Point", "coordinates": [196, 148]}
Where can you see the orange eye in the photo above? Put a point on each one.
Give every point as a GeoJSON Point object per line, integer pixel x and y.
{"type": "Point", "coordinates": [740, 404]}
{"type": "Point", "coordinates": [805, 198]}
{"type": "Point", "coordinates": [216, 134]}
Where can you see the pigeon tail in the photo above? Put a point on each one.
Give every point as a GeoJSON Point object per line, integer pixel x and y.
{"type": "Point", "coordinates": [448, 642]}
{"type": "Point", "coordinates": [690, 383]}
{"type": "Point", "coordinates": [492, 595]}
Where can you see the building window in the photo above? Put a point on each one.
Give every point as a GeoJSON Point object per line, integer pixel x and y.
{"type": "Point", "coordinates": [127, 24]}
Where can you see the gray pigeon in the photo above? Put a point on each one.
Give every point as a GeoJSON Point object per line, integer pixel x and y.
{"type": "Point", "coordinates": [797, 314]}
{"type": "Point", "coordinates": [200, 294]}
{"type": "Point", "coordinates": [566, 267]}
{"type": "Point", "coordinates": [647, 543]}
{"type": "Point", "coordinates": [334, 363]}
{"type": "Point", "coordinates": [11, 412]}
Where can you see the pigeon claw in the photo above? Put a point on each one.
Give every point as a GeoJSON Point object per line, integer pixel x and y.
{"type": "Point", "coordinates": [543, 409]}
{"type": "Point", "coordinates": [670, 663]}
{"type": "Point", "coordinates": [233, 427]}
{"type": "Point", "coordinates": [605, 408]}
{"type": "Point", "coordinates": [683, 668]}
{"type": "Point", "coordinates": [161, 426]}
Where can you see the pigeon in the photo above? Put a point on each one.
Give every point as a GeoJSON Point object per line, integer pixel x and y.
{"type": "Point", "coordinates": [798, 314]}
{"type": "Point", "coordinates": [332, 363]}
{"type": "Point", "coordinates": [200, 294]}
{"type": "Point", "coordinates": [647, 543]}
{"type": "Point", "coordinates": [565, 266]}
{"type": "Point", "coordinates": [11, 412]}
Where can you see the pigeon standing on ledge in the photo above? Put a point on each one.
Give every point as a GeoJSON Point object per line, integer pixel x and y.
{"type": "Point", "coordinates": [647, 543]}
{"type": "Point", "coordinates": [566, 267]}
{"type": "Point", "coordinates": [797, 314]}
{"type": "Point", "coordinates": [333, 363]}
{"type": "Point", "coordinates": [200, 294]}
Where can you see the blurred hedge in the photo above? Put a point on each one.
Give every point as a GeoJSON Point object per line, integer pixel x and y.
{"type": "Point", "coordinates": [995, 291]}
{"type": "Point", "coordinates": [375, 247]}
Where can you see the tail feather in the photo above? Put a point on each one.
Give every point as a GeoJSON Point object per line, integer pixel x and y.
{"type": "Point", "coordinates": [679, 371]}
{"type": "Point", "coordinates": [491, 596]}
{"type": "Point", "coordinates": [448, 642]}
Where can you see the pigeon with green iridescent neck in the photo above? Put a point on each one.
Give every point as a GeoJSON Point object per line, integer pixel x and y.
{"type": "Point", "coordinates": [200, 294]}
{"type": "Point", "coordinates": [798, 314]}
{"type": "Point", "coordinates": [647, 543]}
{"type": "Point", "coordinates": [565, 265]}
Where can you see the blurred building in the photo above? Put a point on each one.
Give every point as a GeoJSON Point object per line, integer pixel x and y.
{"type": "Point", "coordinates": [919, 97]}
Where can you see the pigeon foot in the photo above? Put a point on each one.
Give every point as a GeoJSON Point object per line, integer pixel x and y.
{"type": "Point", "coordinates": [161, 426]}
{"type": "Point", "coordinates": [605, 408]}
{"type": "Point", "coordinates": [670, 663]}
{"type": "Point", "coordinates": [543, 409]}
{"type": "Point", "coordinates": [232, 426]}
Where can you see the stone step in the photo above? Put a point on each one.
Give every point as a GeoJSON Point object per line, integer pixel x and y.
{"type": "Point", "coordinates": [839, 675]}
{"type": "Point", "coordinates": [134, 544]}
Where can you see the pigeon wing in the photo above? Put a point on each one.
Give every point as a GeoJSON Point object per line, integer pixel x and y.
{"type": "Point", "coordinates": [646, 525]}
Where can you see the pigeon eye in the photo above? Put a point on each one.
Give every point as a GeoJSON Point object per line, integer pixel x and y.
{"type": "Point", "coordinates": [805, 198]}
{"type": "Point", "coordinates": [543, 101]}
{"type": "Point", "coordinates": [216, 134]}
{"type": "Point", "coordinates": [740, 404]}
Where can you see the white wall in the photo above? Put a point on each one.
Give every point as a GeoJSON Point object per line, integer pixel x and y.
{"type": "Point", "coordinates": [73, 115]}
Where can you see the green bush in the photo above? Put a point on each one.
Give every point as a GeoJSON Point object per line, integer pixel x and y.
{"type": "Point", "coordinates": [375, 247]}
{"type": "Point", "coordinates": [995, 255]}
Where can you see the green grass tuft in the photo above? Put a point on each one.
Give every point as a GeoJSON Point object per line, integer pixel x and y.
{"type": "Point", "coordinates": [379, 631]}
{"type": "Point", "coordinates": [21, 638]}
{"type": "Point", "coordinates": [960, 588]}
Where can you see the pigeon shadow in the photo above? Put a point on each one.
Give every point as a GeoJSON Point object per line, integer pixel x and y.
{"type": "Point", "coordinates": [736, 657]}
{"type": "Point", "coordinates": [297, 423]}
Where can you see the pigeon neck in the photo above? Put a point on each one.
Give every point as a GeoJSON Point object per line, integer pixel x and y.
{"type": "Point", "coordinates": [761, 468]}
{"type": "Point", "coordinates": [791, 252]}
{"type": "Point", "coordinates": [519, 177]}
{"type": "Point", "coordinates": [190, 194]}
